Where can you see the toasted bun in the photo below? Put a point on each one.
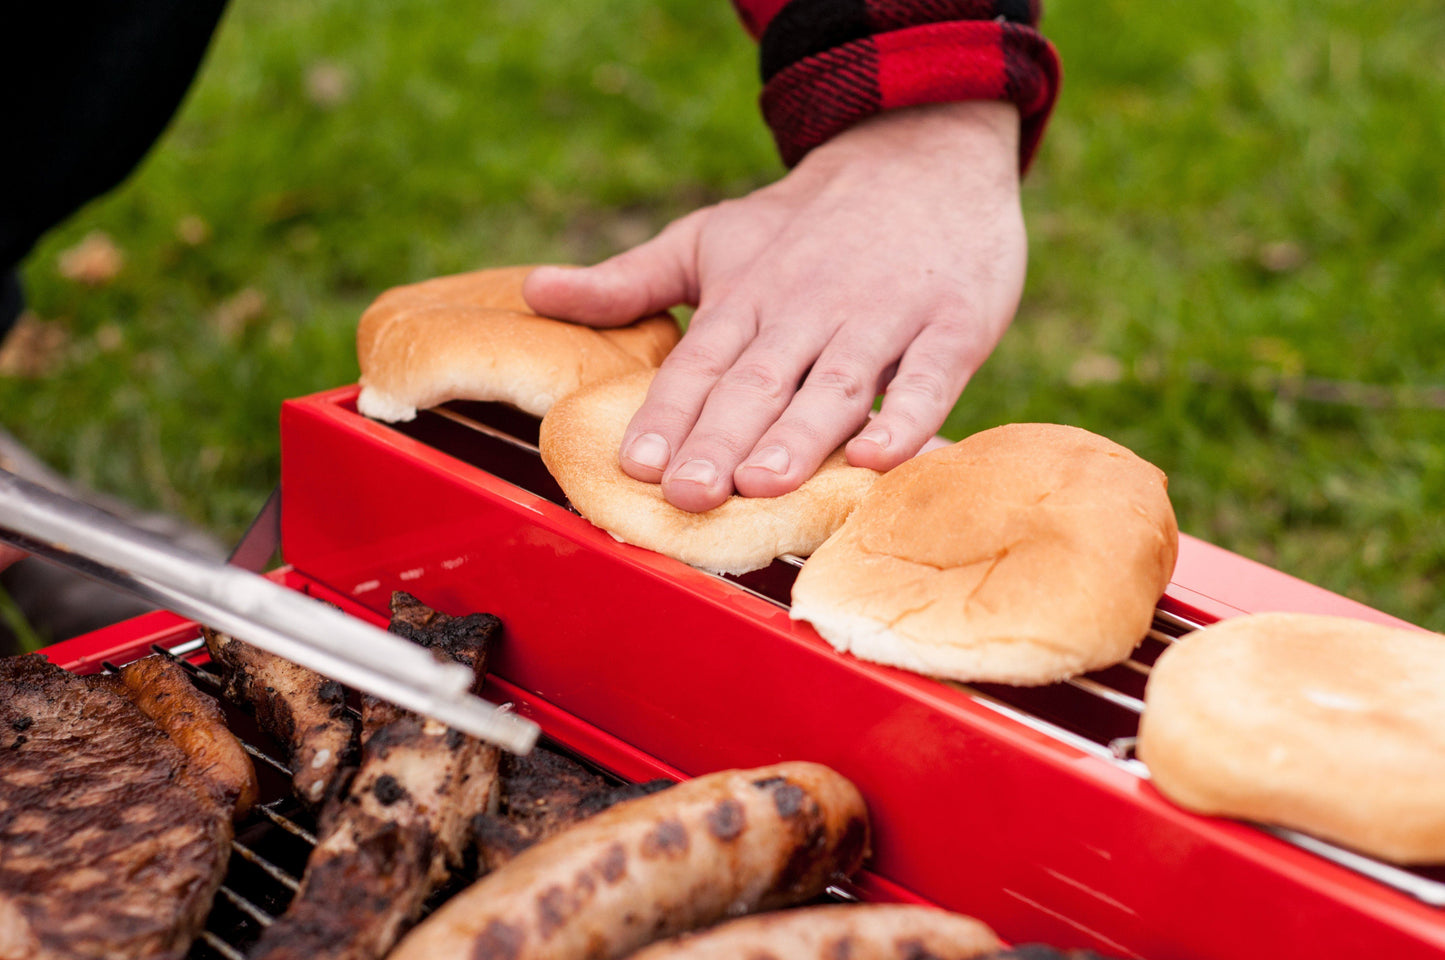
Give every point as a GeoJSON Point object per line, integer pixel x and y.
{"type": "Point", "coordinates": [1023, 554]}
{"type": "Point", "coordinates": [473, 337]}
{"type": "Point", "coordinates": [1327, 725]}
{"type": "Point", "coordinates": [581, 437]}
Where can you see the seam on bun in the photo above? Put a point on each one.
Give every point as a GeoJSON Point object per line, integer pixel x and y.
{"type": "Point", "coordinates": [1023, 554]}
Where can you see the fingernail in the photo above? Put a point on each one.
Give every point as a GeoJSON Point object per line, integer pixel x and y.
{"type": "Point", "coordinates": [877, 435]}
{"type": "Point", "coordinates": [696, 471]}
{"type": "Point", "coordinates": [649, 450]}
{"type": "Point", "coordinates": [774, 458]}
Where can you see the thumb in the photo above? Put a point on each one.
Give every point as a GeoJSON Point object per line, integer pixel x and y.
{"type": "Point", "coordinates": [650, 277]}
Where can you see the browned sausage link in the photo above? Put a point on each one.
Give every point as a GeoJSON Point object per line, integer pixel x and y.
{"type": "Point", "coordinates": [883, 931]}
{"type": "Point", "coordinates": [718, 846]}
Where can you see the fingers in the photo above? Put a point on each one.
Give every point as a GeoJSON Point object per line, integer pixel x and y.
{"type": "Point", "coordinates": [744, 401]}
{"type": "Point", "coordinates": [653, 276]}
{"type": "Point", "coordinates": [712, 344]}
{"type": "Point", "coordinates": [930, 378]}
{"type": "Point", "coordinates": [832, 403]}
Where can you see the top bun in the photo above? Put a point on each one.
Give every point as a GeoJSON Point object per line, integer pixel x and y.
{"type": "Point", "coordinates": [1328, 725]}
{"type": "Point", "coordinates": [473, 337]}
{"type": "Point", "coordinates": [581, 439]}
{"type": "Point", "coordinates": [1024, 554]}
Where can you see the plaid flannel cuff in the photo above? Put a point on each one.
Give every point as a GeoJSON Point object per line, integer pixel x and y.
{"type": "Point", "coordinates": [829, 64]}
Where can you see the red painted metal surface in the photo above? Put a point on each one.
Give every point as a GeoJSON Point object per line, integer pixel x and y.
{"type": "Point", "coordinates": [972, 810]}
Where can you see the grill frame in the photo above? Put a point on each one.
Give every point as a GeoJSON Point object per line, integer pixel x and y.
{"type": "Point", "coordinates": [982, 807]}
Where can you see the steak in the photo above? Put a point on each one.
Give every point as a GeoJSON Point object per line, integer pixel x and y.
{"type": "Point", "coordinates": [543, 793]}
{"type": "Point", "coordinates": [297, 706]}
{"type": "Point", "coordinates": [403, 823]}
{"type": "Point", "coordinates": [114, 832]}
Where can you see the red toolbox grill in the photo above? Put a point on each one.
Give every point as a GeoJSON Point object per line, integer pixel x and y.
{"type": "Point", "coordinates": [1022, 806]}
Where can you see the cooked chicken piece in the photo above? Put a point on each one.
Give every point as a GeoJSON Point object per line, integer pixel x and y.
{"type": "Point", "coordinates": [541, 794]}
{"type": "Point", "coordinates": [114, 833]}
{"type": "Point", "coordinates": [297, 706]}
{"type": "Point", "coordinates": [162, 690]}
{"type": "Point", "coordinates": [403, 823]}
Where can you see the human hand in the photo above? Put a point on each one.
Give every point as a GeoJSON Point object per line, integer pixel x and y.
{"type": "Point", "coordinates": [891, 259]}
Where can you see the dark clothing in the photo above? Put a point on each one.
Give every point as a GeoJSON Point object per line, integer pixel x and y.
{"type": "Point", "coordinates": [86, 86]}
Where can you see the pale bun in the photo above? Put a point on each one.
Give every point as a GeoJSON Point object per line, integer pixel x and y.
{"type": "Point", "coordinates": [1024, 554]}
{"type": "Point", "coordinates": [1331, 726]}
{"type": "Point", "coordinates": [581, 438]}
{"type": "Point", "coordinates": [865, 931]}
{"type": "Point", "coordinates": [473, 337]}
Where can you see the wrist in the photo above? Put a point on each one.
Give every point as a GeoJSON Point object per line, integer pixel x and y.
{"type": "Point", "coordinates": [980, 137]}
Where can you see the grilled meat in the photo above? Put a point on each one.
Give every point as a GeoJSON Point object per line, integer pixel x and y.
{"type": "Point", "coordinates": [541, 794]}
{"type": "Point", "coordinates": [403, 823]}
{"type": "Point", "coordinates": [877, 931]}
{"type": "Point", "coordinates": [160, 688]}
{"type": "Point", "coordinates": [717, 846]}
{"type": "Point", "coordinates": [114, 833]}
{"type": "Point", "coordinates": [297, 706]}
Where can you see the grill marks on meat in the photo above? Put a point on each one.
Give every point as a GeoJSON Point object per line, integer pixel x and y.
{"type": "Point", "coordinates": [404, 822]}
{"type": "Point", "coordinates": [297, 706]}
{"type": "Point", "coordinates": [717, 846]}
{"type": "Point", "coordinates": [114, 835]}
{"type": "Point", "coordinates": [542, 794]}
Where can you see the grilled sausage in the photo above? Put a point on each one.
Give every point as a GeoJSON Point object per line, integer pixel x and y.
{"type": "Point", "coordinates": [883, 931]}
{"type": "Point", "coordinates": [718, 846]}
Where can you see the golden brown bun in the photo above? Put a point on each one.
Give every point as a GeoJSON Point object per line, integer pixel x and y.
{"type": "Point", "coordinates": [581, 437]}
{"type": "Point", "coordinates": [1023, 554]}
{"type": "Point", "coordinates": [1327, 725]}
{"type": "Point", "coordinates": [473, 337]}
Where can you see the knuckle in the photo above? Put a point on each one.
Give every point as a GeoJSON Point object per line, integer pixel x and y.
{"type": "Point", "coordinates": [759, 378]}
{"type": "Point", "coordinates": [718, 445]}
{"type": "Point", "coordinates": [695, 360]}
{"type": "Point", "coordinates": [932, 387]}
{"type": "Point", "coordinates": [843, 381]}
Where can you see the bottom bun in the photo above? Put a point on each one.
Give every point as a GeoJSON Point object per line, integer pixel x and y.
{"type": "Point", "coordinates": [1330, 726]}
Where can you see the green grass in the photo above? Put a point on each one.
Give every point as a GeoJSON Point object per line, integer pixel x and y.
{"type": "Point", "coordinates": [1235, 202]}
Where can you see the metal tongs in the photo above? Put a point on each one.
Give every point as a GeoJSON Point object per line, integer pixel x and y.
{"type": "Point", "coordinates": [281, 621]}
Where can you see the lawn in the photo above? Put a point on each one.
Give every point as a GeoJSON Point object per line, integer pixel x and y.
{"type": "Point", "coordinates": [1236, 245]}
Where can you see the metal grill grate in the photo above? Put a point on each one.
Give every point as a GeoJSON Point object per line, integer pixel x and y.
{"type": "Point", "coordinates": [273, 842]}
{"type": "Point", "coordinates": [1097, 713]}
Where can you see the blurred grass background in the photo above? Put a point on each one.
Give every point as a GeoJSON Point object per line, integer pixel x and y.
{"type": "Point", "coordinates": [1237, 252]}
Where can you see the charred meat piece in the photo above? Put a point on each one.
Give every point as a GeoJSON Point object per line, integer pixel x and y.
{"type": "Point", "coordinates": [542, 794]}
{"type": "Point", "coordinates": [114, 833]}
{"type": "Point", "coordinates": [294, 704]}
{"type": "Point", "coordinates": [403, 823]}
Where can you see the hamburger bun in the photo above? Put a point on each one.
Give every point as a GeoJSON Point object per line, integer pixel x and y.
{"type": "Point", "coordinates": [1327, 725]}
{"type": "Point", "coordinates": [580, 440]}
{"type": "Point", "coordinates": [1023, 554]}
{"type": "Point", "coordinates": [473, 337]}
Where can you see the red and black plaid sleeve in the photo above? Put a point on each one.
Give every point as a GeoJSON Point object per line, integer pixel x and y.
{"type": "Point", "coordinates": [829, 63]}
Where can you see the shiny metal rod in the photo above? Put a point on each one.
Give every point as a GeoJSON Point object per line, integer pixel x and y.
{"type": "Point", "coordinates": [281, 621]}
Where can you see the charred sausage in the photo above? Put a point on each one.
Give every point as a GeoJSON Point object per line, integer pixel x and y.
{"type": "Point", "coordinates": [715, 847]}
{"type": "Point", "coordinates": [883, 931]}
